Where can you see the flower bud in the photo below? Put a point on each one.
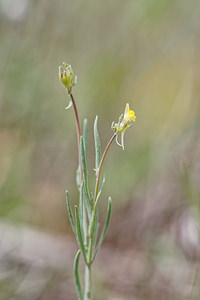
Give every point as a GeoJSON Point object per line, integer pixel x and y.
{"type": "Point", "coordinates": [66, 76]}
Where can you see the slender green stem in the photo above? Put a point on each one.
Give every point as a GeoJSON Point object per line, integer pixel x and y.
{"type": "Point", "coordinates": [100, 166]}
{"type": "Point", "coordinates": [88, 283]}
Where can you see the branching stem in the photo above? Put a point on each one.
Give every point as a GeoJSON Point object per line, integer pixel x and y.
{"type": "Point", "coordinates": [88, 275]}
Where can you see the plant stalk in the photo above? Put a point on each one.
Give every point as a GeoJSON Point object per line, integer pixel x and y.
{"type": "Point", "coordinates": [100, 166]}
{"type": "Point", "coordinates": [88, 283]}
{"type": "Point", "coordinates": [88, 275]}
{"type": "Point", "coordinates": [87, 291]}
{"type": "Point", "coordinates": [78, 129]}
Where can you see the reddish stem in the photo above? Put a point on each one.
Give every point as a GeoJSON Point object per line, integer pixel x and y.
{"type": "Point", "coordinates": [78, 131]}
{"type": "Point", "coordinates": [100, 166]}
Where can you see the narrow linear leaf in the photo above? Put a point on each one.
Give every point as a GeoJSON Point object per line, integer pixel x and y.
{"type": "Point", "coordinates": [83, 160]}
{"type": "Point", "coordinates": [85, 134]}
{"type": "Point", "coordinates": [97, 145]}
{"type": "Point", "coordinates": [84, 166]}
{"type": "Point", "coordinates": [94, 231]}
{"type": "Point", "coordinates": [100, 190]}
{"type": "Point", "coordinates": [78, 177]}
{"type": "Point", "coordinates": [105, 227]}
{"type": "Point", "coordinates": [81, 207]}
{"type": "Point", "coordinates": [85, 227]}
{"type": "Point", "coordinates": [93, 223]}
{"type": "Point", "coordinates": [76, 275]}
{"type": "Point", "coordinates": [71, 216]}
{"type": "Point", "coordinates": [87, 202]}
{"type": "Point", "coordinates": [79, 235]}
{"type": "Point", "coordinates": [82, 215]}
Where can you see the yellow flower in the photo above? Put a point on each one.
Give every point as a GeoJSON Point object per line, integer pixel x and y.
{"type": "Point", "coordinates": [125, 121]}
{"type": "Point", "coordinates": [129, 115]}
{"type": "Point", "coordinates": [66, 76]}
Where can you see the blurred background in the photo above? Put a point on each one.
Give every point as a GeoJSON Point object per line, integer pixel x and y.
{"type": "Point", "coordinates": [143, 52]}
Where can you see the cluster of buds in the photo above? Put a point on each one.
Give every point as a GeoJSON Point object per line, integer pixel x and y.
{"type": "Point", "coordinates": [126, 120]}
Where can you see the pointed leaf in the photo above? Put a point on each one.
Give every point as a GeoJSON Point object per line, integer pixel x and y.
{"type": "Point", "coordinates": [78, 178]}
{"type": "Point", "coordinates": [87, 201]}
{"type": "Point", "coordinates": [82, 215]}
{"type": "Point", "coordinates": [100, 190]}
{"type": "Point", "coordinates": [84, 166]}
{"type": "Point", "coordinates": [79, 234]}
{"type": "Point", "coordinates": [104, 228]}
{"type": "Point", "coordinates": [71, 216]}
{"type": "Point", "coordinates": [85, 227]}
{"type": "Point", "coordinates": [93, 223]}
{"type": "Point", "coordinates": [81, 207]}
{"type": "Point", "coordinates": [85, 134]}
{"type": "Point", "coordinates": [76, 275]}
{"type": "Point", "coordinates": [94, 232]}
{"type": "Point", "coordinates": [83, 160]}
{"type": "Point", "coordinates": [97, 145]}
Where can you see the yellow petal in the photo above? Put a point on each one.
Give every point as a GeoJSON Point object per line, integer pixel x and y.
{"type": "Point", "coordinates": [130, 114]}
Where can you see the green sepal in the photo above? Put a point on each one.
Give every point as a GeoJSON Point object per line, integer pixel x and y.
{"type": "Point", "coordinates": [71, 216]}
{"type": "Point", "coordinates": [79, 234]}
{"type": "Point", "coordinates": [76, 275]}
{"type": "Point", "coordinates": [105, 228]}
{"type": "Point", "coordinates": [67, 77]}
{"type": "Point", "coordinates": [97, 145]}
